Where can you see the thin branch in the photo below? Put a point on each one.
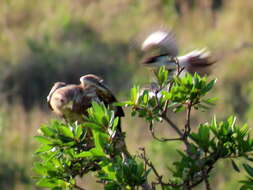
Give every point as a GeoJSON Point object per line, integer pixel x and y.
{"type": "Point", "coordinates": [179, 71]}
{"type": "Point", "coordinates": [172, 124]}
{"type": "Point", "coordinates": [187, 185]}
{"type": "Point", "coordinates": [146, 186]}
{"type": "Point", "coordinates": [188, 120]}
{"type": "Point", "coordinates": [158, 176]}
{"type": "Point", "coordinates": [150, 164]}
{"type": "Point", "coordinates": [164, 114]}
{"type": "Point", "coordinates": [208, 187]}
{"type": "Point", "coordinates": [201, 180]}
{"type": "Point", "coordinates": [164, 139]}
{"type": "Point", "coordinates": [152, 131]}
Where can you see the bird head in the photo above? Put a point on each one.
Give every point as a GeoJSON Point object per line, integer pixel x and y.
{"type": "Point", "coordinates": [162, 42]}
{"type": "Point", "coordinates": [90, 79]}
{"type": "Point", "coordinates": [54, 88]}
{"type": "Point", "coordinates": [160, 60]}
{"type": "Point", "coordinates": [161, 49]}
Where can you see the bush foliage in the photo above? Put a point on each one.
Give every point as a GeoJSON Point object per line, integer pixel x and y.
{"type": "Point", "coordinates": [71, 150]}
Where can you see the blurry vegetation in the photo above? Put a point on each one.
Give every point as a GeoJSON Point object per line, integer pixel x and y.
{"type": "Point", "coordinates": [66, 151]}
{"type": "Point", "coordinates": [76, 51]}
{"type": "Point", "coordinates": [47, 41]}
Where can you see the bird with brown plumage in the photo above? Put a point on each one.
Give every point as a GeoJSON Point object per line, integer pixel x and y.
{"type": "Point", "coordinates": [72, 101]}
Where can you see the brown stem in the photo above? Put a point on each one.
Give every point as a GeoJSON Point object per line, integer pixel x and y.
{"type": "Point", "coordinates": [202, 178]}
{"type": "Point", "coordinates": [150, 164]}
{"type": "Point", "coordinates": [172, 124]}
{"type": "Point", "coordinates": [187, 186]}
{"type": "Point", "coordinates": [152, 130]}
{"type": "Point", "coordinates": [179, 71]}
{"type": "Point", "coordinates": [208, 187]}
{"type": "Point", "coordinates": [146, 186]}
{"type": "Point", "coordinates": [188, 120]}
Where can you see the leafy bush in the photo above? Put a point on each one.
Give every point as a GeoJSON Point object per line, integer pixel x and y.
{"type": "Point", "coordinates": [70, 150]}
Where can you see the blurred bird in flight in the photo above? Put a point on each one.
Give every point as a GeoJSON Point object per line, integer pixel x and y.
{"type": "Point", "coordinates": [72, 101]}
{"type": "Point", "coordinates": [198, 61]}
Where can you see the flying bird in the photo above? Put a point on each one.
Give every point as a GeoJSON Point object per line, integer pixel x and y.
{"type": "Point", "coordinates": [72, 101]}
{"type": "Point", "coordinates": [198, 61]}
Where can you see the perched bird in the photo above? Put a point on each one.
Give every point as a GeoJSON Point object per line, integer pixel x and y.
{"type": "Point", "coordinates": [198, 61]}
{"type": "Point", "coordinates": [72, 101]}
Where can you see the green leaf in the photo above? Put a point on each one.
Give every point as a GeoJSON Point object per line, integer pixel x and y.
{"type": "Point", "coordinates": [99, 140]}
{"type": "Point", "coordinates": [84, 154]}
{"type": "Point", "coordinates": [93, 126]}
{"type": "Point", "coordinates": [92, 152]}
{"type": "Point", "coordinates": [124, 103]}
{"type": "Point", "coordinates": [210, 85]}
{"type": "Point", "coordinates": [234, 165]}
{"type": "Point", "coordinates": [47, 182]}
{"type": "Point", "coordinates": [49, 131]}
{"type": "Point", "coordinates": [210, 101]}
{"type": "Point", "coordinates": [249, 158]}
{"type": "Point", "coordinates": [115, 123]}
{"type": "Point", "coordinates": [97, 152]}
{"type": "Point", "coordinates": [66, 132]}
{"type": "Point", "coordinates": [78, 131]}
{"type": "Point", "coordinates": [43, 148]}
{"type": "Point", "coordinates": [43, 140]}
{"type": "Point", "coordinates": [247, 187]}
{"type": "Point", "coordinates": [248, 169]}
{"type": "Point", "coordinates": [202, 106]}
{"type": "Point", "coordinates": [134, 94]}
{"type": "Point", "coordinates": [204, 133]}
{"type": "Point", "coordinates": [39, 169]}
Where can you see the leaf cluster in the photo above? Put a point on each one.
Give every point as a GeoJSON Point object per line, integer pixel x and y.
{"type": "Point", "coordinates": [97, 146]}
{"type": "Point", "coordinates": [176, 94]}
{"type": "Point", "coordinates": [70, 150]}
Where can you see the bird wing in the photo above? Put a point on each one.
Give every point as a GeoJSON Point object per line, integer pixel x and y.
{"type": "Point", "coordinates": [198, 61]}
{"type": "Point", "coordinates": [108, 98]}
{"type": "Point", "coordinates": [83, 99]}
{"type": "Point", "coordinates": [162, 41]}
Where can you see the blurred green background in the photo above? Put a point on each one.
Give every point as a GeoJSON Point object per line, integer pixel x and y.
{"type": "Point", "coordinates": [43, 41]}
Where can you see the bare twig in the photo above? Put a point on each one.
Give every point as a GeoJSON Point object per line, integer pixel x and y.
{"type": "Point", "coordinates": [146, 186]}
{"type": "Point", "coordinates": [186, 185]}
{"type": "Point", "coordinates": [188, 120]}
{"type": "Point", "coordinates": [150, 164]}
{"type": "Point", "coordinates": [163, 139]}
{"type": "Point", "coordinates": [179, 71]}
{"type": "Point", "coordinates": [172, 124]}
{"type": "Point", "coordinates": [164, 114]}
{"type": "Point", "coordinates": [208, 187]}
{"type": "Point", "coordinates": [158, 176]}
{"type": "Point", "coordinates": [201, 180]}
